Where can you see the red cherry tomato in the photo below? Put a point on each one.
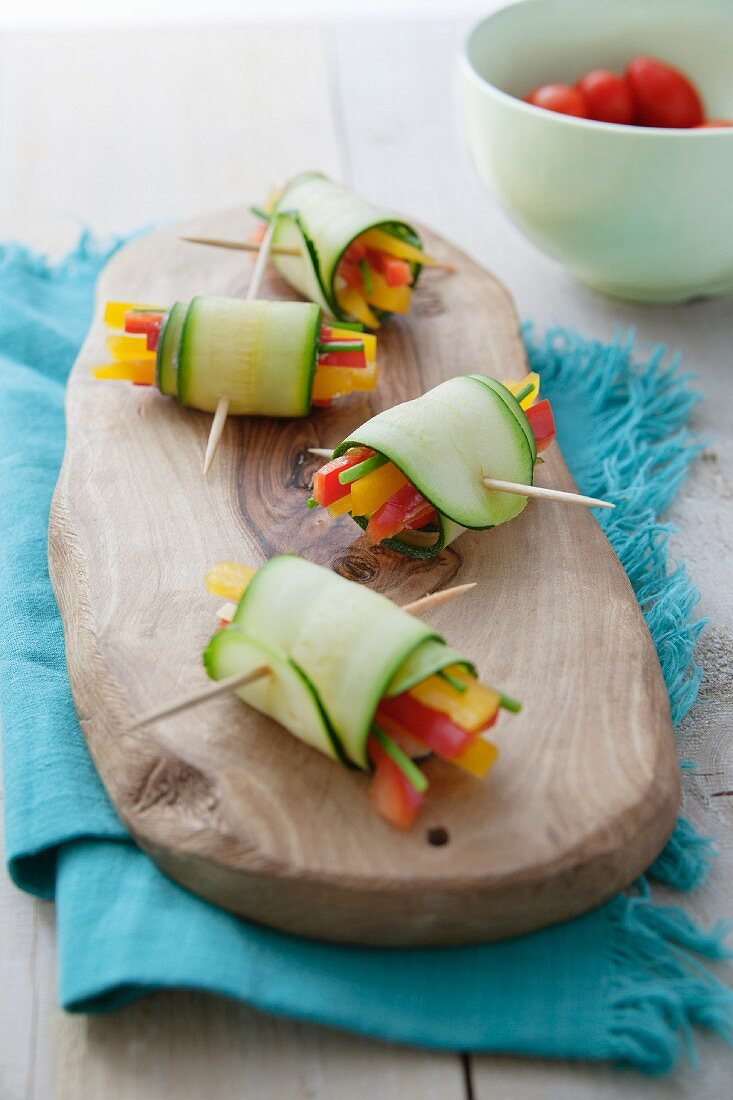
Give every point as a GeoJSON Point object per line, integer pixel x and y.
{"type": "Point", "coordinates": [714, 124]}
{"type": "Point", "coordinates": [663, 96]}
{"type": "Point", "coordinates": [607, 97]}
{"type": "Point", "coordinates": [558, 97]}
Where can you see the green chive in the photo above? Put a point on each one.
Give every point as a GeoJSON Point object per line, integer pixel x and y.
{"type": "Point", "coordinates": [361, 469]}
{"type": "Point", "coordinates": [452, 680]}
{"type": "Point", "coordinates": [341, 345]}
{"type": "Point", "coordinates": [524, 392]}
{"type": "Point", "coordinates": [353, 326]}
{"type": "Point", "coordinates": [312, 502]}
{"type": "Point", "coordinates": [366, 275]}
{"type": "Point", "coordinates": [401, 759]}
{"type": "Point", "coordinates": [259, 213]}
{"type": "Point", "coordinates": [508, 703]}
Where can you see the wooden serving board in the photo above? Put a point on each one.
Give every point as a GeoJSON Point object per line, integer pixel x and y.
{"type": "Point", "coordinates": [225, 801]}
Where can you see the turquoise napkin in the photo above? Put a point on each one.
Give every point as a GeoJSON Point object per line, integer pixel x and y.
{"type": "Point", "coordinates": [621, 983]}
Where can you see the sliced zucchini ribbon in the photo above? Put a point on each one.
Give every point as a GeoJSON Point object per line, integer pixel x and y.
{"type": "Point", "coordinates": [445, 442]}
{"type": "Point", "coordinates": [335, 649]}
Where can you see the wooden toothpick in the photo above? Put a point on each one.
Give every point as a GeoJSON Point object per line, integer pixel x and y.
{"type": "Point", "coordinates": [542, 493]}
{"type": "Point", "coordinates": [222, 408]}
{"type": "Point", "coordinates": [251, 246]}
{"type": "Point", "coordinates": [240, 679]}
{"type": "Point", "coordinates": [435, 599]}
{"type": "Point", "coordinates": [242, 246]}
{"type": "Point", "coordinates": [516, 488]}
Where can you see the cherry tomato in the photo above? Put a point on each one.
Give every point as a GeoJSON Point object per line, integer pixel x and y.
{"type": "Point", "coordinates": [663, 96]}
{"type": "Point", "coordinates": [607, 97]}
{"type": "Point", "coordinates": [558, 97]}
{"type": "Point", "coordinates": [714, 124]}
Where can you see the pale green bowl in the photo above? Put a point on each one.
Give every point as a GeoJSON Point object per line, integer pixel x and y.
{"type": "Point", "coordinates": [645, 214]}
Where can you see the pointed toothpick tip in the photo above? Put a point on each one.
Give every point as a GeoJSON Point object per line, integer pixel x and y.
{"type": "Point", "coordinates": [220, 687]}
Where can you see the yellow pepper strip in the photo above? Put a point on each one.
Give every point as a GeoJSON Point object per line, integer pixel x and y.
{"type": "Point", "coordinates": [353, 302]}
{"type": "Point", "coordinates": [385, 242]}
{"type": "Point", "coordinates": [532, 379]}
{"type": "Point", "coordinates": [114, 312]}
{"type": "Point", "coordinates": [128, 347]}
{"type": "Point", "coordinates": [272, 199]}
{"type": "Point", "coordinates": [470, 709]}
{"type": "Point", "coordinates": [139, 371]}
{"type": "Point", "coordinates": [370, 492]}
{"type": "Point", "coordinates": [394, 299]}
{"type": "Point", "coordinates": [340, 507]}
{"type": "Point", "coordinates": [229, 579]}
{"type": "Point", "coordinates": [478, 758]}
{"type": "Point", "coordinates": [336, 381]}
{"type": "Point", "coordinates": [368, 339]}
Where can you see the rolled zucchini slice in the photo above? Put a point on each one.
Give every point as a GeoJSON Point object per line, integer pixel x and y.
{"type": "Point", "coordinates": [335, 647]}
{"type": "Point", "coordinates": [169, 344]}
{"type": "Point", "coordinates": [321, 218]}
{"type": "Point", "coordinates": [445, 443]}
{"type": "Point", "coordinates": [261, 355]}
{"type": "Point", "coordinates": [285, 695]}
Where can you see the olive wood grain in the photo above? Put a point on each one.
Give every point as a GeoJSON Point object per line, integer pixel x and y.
{"type": "Point", "coordinates": [586, 789]}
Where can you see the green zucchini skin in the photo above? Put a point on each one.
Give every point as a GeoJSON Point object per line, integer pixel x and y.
{"type": "Point", "coordinates": [338, 649]}
{"type": "Point", "coordinates": [262, 355]}
{"type": "Point", "coordinates": [286, 695]}
{"type": "Point", "coordinates": [169, 345]}
{"type": "Point", "coordinates": [445, 442]}
{"type": "Point", "coordinates": [321, 218]}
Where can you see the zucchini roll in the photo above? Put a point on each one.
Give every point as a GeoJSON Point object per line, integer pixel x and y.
{"type": "Point", "coordinates": [412, 476]}
{"type": "Point", "coordinates": [357, 261]}
{"type": "Point", "coordinates": [352, 675]}
{"type": "Point", "coordinates": [268, 358]}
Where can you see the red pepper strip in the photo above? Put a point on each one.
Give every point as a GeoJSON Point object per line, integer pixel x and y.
{"type": "Point", "coordinates": [542, 423]}
{"type": "Point", "coordinates": [142, 321]}
{"type": "Point", "coordinates": [323, 403]}
{"type": "Point", "coordinates": [430, 727]}
{"type": "Point", "coordinates": [405, 508]}
{"type": "Point", "coordinates": [355, 252]}
{"type": "Point", "coordinates": [152, 337]}
{"type": "Point", "coordinates": [258, 233]}
{"type": "Point", "coordinates": [392, 794]}
{"type": "Point", "coordinates": [327, 488]}
{"type": "Point", "coordinates": [396, 272]}
{"type": "Point", "coordinates": [350, 274]}
{"type": "Point", "coordinates": [342, 359]}
{"type": "Point", "coordinates": [425, 514]}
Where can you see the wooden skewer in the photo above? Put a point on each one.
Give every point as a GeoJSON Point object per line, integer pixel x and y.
{"type": "Point", "coordinates": [222, 408]}
{"type": "Point", "coordinates": [242, 246]}
{"type": "Point", "coordinates": [542, 493]}
{"type": "Point", "coordinates": [240, 679]}
{"type": "Point", "coordinates": [250, 246]}
{"type": "Point", "coordinates": [435, 599]}
{"type": "Point", "coordinates": [515, 488]}
{"type": "Point", "coordinates": [217, 427]}
{"type": "Point", "coordinates": [200, 696]}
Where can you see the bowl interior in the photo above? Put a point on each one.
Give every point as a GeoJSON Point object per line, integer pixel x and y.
{"type": "Point", "coordinates": [539, 41]}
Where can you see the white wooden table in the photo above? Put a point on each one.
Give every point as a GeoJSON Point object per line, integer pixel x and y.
{"type": "Point", "coordinates": [124, 129]}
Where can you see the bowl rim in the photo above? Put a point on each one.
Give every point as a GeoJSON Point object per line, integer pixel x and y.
{"type": "Point", "coordinates": [557, 117]}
